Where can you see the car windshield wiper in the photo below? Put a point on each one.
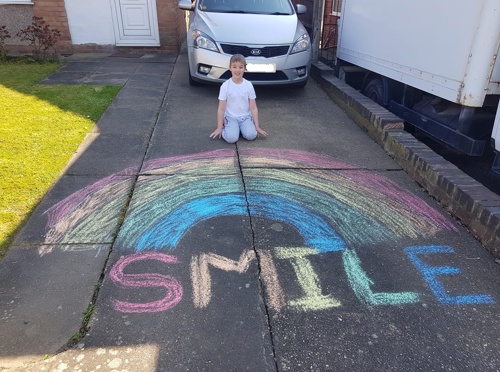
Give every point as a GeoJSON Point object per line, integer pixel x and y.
{"type": "Point", "coordinates": [234, 11]}
{"type": "Point", "coordinates": [278, 13]}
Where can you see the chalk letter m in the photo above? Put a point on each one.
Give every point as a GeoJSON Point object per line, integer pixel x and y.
{"type": "Point", "coordinates": [200, 275]}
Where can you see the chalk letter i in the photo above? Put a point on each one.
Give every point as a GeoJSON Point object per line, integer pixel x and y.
{"type": "Point", "coordinates": [308, 280]}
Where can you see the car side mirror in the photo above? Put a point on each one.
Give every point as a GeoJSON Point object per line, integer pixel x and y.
{"type": "Point", "coordinates": [301, 9]}
{"type": "Point", "coordinates": [186, 4]}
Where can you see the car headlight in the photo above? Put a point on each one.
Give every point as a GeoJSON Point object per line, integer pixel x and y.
{"type": "Point", "coordinates": [201, 40]}
{"type": "Point", "coordinates": [301, 44]}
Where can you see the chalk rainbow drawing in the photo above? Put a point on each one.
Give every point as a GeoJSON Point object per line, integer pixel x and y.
{"type": "Point", "coordinates": [332, 204]}
{"type": "Point", "coordinates": [335, 206]}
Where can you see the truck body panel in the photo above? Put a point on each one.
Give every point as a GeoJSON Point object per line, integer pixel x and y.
{"type": "Point", "coordinates": [447, 48]}
{"type": "Point", "coordinates": [436, 62]}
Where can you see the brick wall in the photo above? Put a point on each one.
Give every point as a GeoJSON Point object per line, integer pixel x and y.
{"type": "Point", "coordinates": [330, 24]}
{"type": "Point", "coordinates": [171, 24]}
{"type": "Point", "coordinates": [54, 14]}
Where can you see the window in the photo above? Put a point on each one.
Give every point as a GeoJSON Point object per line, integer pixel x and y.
{"type": "Point", "coordinates": [336, 4]}
{"type": "Point", "coordinates": [28, 2]}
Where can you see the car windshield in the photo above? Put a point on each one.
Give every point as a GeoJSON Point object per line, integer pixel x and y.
{"type": "Point", "coordinates": [278, 7]}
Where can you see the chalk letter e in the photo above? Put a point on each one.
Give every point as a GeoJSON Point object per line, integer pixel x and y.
{"type": "Point", "coordinates": [173, 287]}
{"type": "Point", "coordinates": [431, 273]}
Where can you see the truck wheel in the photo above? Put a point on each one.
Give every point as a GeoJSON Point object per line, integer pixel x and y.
{"type": "Point", "coordinates": [375, 91]}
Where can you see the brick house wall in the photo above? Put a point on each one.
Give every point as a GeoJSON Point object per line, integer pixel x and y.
{"type": "Point", "coordinates": [331, 12]}
{"type": "Point", "coordinates": [54, 14]}
{"type": "Point", "coordinates": [330, 24]}
{"type": "Point", "coordinates": [171, 25]}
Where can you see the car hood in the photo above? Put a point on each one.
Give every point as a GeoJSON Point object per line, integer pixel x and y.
{"type": "Point", "coordinates": [248, 28]}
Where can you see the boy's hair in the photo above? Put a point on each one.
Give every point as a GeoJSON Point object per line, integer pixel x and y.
{"type": "Point", "coordinates": [238, 58]}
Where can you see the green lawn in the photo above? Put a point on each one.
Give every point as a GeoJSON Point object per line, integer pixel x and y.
{"type": "Point", "coordinates": [41, 126]}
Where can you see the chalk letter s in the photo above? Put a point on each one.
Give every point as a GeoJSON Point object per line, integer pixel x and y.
{"type": "Point", "coordinates": [172, 286]}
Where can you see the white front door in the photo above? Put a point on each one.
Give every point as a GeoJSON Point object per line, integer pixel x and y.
{"type": "Point", "coordinates": [135, 22]}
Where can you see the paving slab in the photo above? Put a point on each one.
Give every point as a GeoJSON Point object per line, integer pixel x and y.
{"type": "Point", "coordinates": [177, 119]}
{"type": "Point", "coordinates": [158, 81]}
{"type": "Point", "coordinates": [87, 67]}
{"type": "Point", "coordinates": [83, 72]}
{"type": "Point", "coordinates": [127, 120]}
{"type": "Point", "coordinates": [110, 78]}
{"type": "Point", "coordinates": [317, 127]}
{"type": "Point", "coordinates": [157, 69]}
{"type": "Point", "coordinates": [132, 358]}
{"type": "Point", "coordinates": [73, 77]}
{"type": "Point", "coordinates": [43, 297]}
{"type": "Point", "coordinates": [142, 97]}
{"type": "Point", "coordinates": [126, 67]}
{"type": "Point", "coordinates": [105, 154]}
{"type": "Point", "coordinates": [70, 197]}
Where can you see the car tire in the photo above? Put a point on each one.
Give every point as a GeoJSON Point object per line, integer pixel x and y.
{"type": "Point", "coordinates": [301, 85]}
{"type": "Point", "coordinates": [192, 82]}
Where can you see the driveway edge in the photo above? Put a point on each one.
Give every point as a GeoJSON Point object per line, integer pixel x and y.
{"type": "Point", "coordinates": [474, 205]}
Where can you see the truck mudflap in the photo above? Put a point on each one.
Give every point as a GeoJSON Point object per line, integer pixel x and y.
{"type": "Point", "coordinates": [495, 166]}
{"type": "Point", "coordinates": [495, 141]}
{"type": "Point", "coordinates": [439, 131]}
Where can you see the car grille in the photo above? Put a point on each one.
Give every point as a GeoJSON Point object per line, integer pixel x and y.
{"type": "Point", "coordinates": [266, 52]}
{"type": "Point", "coordinates": [259, 76]}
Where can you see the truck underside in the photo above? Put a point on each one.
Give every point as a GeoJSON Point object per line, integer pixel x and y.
{"type": "Point", "coordinates": [465, 129]}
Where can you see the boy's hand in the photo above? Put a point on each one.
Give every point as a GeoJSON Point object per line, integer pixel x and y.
{"type": "Point", "coordinates": [261, 132]}
{"type": "Point", "coordinates": [216, 133]}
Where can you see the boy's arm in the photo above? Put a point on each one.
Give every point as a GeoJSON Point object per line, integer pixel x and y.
{"type": "Point", "coordinates": [220, 119]}
{"type": "Point", "coordinates": [254, 111]}
{"type": "Point", "coordinates": [220, 113]}
{"type": "Point", "coordinates": [255, 115]}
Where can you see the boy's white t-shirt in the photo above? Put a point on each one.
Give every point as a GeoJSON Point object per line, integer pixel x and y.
{"type": "Point", "coordinates": [236, 97]}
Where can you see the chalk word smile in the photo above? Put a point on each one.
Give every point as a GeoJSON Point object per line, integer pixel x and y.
{"type": "Point", "coordinates": [312, 294]}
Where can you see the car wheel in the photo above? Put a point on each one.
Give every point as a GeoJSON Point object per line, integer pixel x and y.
{"type": "Point", "coordinates": [192, 82]}
{"type": "Point", "coordinates": [301, 85]}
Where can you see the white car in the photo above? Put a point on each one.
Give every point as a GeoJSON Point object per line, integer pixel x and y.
{"type": "Point", "coordinates": [267, 33]}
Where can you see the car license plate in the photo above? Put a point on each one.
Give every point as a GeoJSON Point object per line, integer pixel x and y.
{"type": "Point", "coordinates": [261, 67]}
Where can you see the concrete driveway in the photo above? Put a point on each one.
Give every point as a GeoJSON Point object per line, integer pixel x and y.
{"type": "Point", "coordinates": [310, 250]}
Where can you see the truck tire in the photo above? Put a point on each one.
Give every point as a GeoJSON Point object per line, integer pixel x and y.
{"type": "Point", "coordinates": [375, 91]}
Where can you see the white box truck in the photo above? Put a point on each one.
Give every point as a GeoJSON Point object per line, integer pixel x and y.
{"type": "Point", "coordinates": [434, 63]}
